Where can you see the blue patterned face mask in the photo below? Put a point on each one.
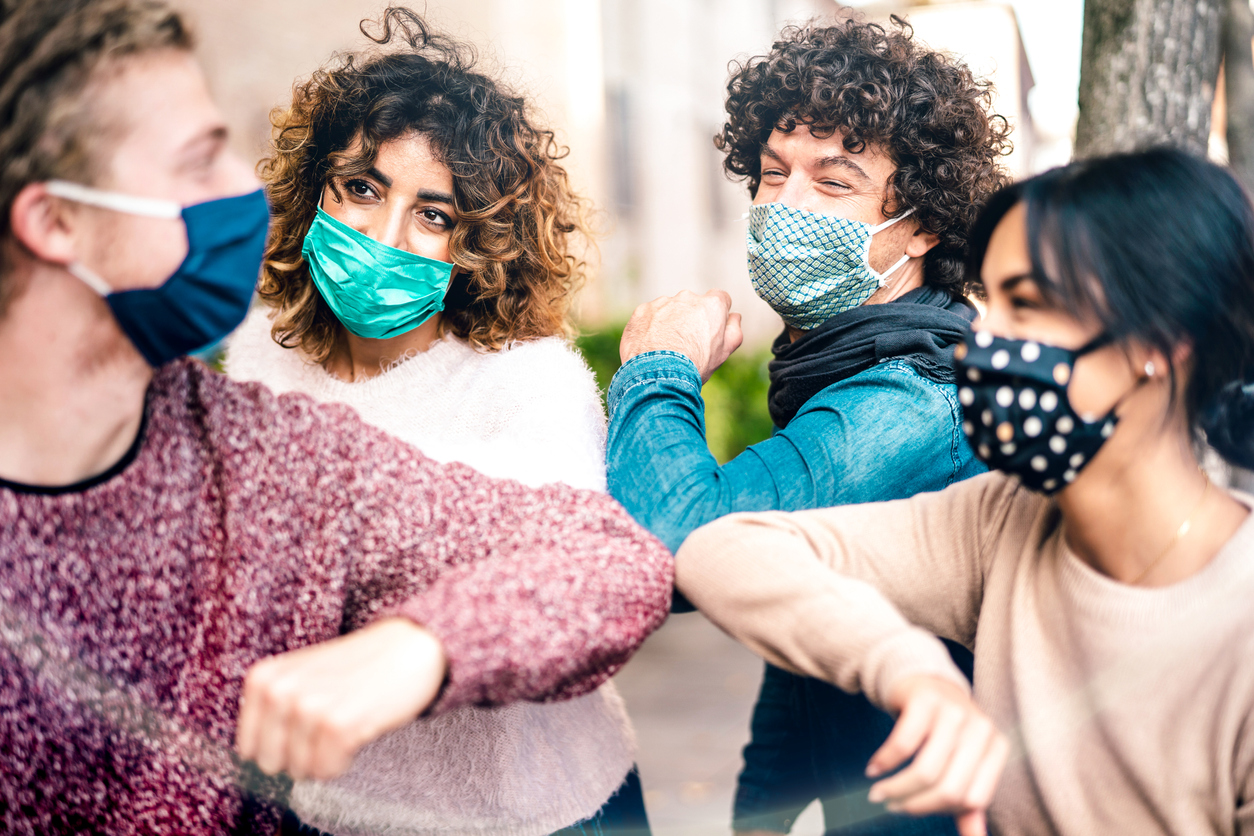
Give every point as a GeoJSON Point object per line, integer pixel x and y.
{"type": "Point", "coordinates": [810, 267]}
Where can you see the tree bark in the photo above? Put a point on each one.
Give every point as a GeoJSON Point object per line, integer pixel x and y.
{"type": "Point", "coordinates": [1147, 74]}
{"type": "Point", "coordinates": [1238, 30]}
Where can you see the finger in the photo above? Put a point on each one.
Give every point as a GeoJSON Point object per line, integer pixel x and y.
{"type": "Point", "coordinates": [300, 745]}
{"type": "Point", "coordinates": [246, 728]}
{"type": "Point", "coordinates": [971, 823]}
{"type": "Point", "coordinates": [984, 784]}
{"type": "Point", "coordinates": [333, 748]}
{"type": "Point", "coordinates": [273, 730]}
{"type": "Point", "coordinates": [248, 724]}
{"type": "Point", "coordinates": [948, 792]}
{"type": "Point", "coordinates": [905, 739]}
{"type": "Point", "coordinates": [722, 296]}
{"type": "Point", "coordinates": [929, 763]}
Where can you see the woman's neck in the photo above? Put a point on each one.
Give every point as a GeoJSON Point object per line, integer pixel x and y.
{"type": "Point", "coordinates": [1125, 514]}
{"type": "Point", "coordinates": [359, 358]}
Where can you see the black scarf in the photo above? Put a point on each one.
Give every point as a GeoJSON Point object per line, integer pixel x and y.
{"type": "Point", "coordinates": [921, 328]}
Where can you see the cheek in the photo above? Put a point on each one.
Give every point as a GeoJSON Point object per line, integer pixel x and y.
{"type": "Point", "coordinates": [430, 244]}
{"type": "Point", "coordinates": [134, 253]}
{"type": "Point", "coordinates": [1097, 384]}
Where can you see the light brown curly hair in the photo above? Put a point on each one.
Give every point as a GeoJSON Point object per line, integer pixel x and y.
{"type": "Point", "coordinates": [517, 215]}
{"type": "Point", "coordinates": [50, 56]}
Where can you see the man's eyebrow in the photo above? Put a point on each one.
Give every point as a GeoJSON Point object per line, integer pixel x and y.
{"type": "Point", "coordinates": [216, 135]}
{"type": "Point", "coordinates": [768, 151]}
{"type": "Point", "coordinates": [842, 162]}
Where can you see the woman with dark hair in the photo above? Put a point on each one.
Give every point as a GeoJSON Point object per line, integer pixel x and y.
{"type": "Point", "coordinates": [420, 269]}
{"type": "Point", "coordinates": [1100, 575]}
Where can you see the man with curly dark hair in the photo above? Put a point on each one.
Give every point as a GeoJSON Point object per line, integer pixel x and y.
{"type": "Point", "coordinates": [867, 156]}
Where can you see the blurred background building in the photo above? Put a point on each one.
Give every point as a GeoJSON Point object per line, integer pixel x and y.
{"type": "Point", "coordinates": [635, 89]}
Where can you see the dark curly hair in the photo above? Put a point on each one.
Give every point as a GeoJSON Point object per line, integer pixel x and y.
{"type": "Point", "coordinates": [878, 87]}
{"type": "Point", "coordinates": [516, 211]}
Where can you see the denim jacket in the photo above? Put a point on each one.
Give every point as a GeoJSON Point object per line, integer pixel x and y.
{"type": "Point", "coordinates": [885, 433]}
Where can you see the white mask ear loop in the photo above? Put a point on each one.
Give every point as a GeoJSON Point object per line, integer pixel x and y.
{"type": "Point", "coordinates": [883, 277]}
{"type": "Point", "coordinates": [891, 221]}
{"type": "Point", "coordinates": [80, 271]}
{"type": "Point", "coordinates": [128, 204]}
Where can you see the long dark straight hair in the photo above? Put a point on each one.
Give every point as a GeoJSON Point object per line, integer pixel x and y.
{"type": "Point", "coordinates": [1159, 246]}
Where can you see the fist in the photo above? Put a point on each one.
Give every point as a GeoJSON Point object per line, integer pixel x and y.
{"type": "Point", "coordinates": [702, 328]}
{"type": "Point", "coordinates": [958, 754]}
{"type": "Point", "coordinates": [307, 712]}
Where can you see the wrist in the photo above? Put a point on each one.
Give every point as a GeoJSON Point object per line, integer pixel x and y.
{"type": "Point", "coordinates": [905, 688]}
{"type": "Point", "coordinates": [412, 642]}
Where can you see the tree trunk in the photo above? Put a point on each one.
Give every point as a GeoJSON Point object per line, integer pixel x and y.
{"type": "Point", "coordinates": [1147, 74]}
{"type": "Point", "coordinates": [1238, 30]}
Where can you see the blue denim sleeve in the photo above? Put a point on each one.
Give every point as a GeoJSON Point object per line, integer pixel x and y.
{"type": "Point", "coordinates": [886, 433]}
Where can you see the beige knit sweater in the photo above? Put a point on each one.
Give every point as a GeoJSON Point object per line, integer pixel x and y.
{"type": "Point", "coordinates": [1131, 708]}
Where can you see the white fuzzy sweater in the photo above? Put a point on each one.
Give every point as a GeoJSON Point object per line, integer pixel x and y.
{"type": "Point", "coordinates": [531, 413]}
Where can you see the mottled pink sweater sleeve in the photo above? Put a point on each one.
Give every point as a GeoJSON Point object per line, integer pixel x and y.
{"type": "Point", "coordinates": [536, 594]}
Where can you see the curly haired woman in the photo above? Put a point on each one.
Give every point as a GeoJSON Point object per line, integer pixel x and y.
{"type": "Point", "coordinates": [867, 157]}
{"type": "Point", "coordinates": [419, 269]}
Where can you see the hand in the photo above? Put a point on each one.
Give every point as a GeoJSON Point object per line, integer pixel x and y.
{"type": "Point", "coordinates": [958, 754]}
{"type": "Point", "coordinates": [702, 328]}
{"type": "Point", "coordinates": [307, 712]}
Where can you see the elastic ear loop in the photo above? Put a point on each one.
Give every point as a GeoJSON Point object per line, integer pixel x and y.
{"type": "Point", "coordinates": [128, 204]}
{"type": "Point", "coordinates": [883, 277]}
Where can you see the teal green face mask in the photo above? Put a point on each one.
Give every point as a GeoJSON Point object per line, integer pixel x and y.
{"type": "Point", "coordinates": [377, 291]}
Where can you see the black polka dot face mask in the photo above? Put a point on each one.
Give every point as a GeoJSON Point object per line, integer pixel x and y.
{"type": "Point", "coordinates": [1016, 411]}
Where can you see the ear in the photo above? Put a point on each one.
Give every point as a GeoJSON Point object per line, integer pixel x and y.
{"type": "Point", "coordinates": [42, 225]}
{"type": "Point", "coordinates": [1143, 358]}
{"type": "Point", "coordinates": [920, 242]}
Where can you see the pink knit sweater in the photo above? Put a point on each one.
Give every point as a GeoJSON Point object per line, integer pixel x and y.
{"type": "Point", "coordinates": [247, 525]}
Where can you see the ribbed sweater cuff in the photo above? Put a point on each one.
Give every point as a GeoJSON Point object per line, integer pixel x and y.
{"type": "Point", "coordinates": [911, 652]}
{"type": "Point", "coordinates": [466, 680]}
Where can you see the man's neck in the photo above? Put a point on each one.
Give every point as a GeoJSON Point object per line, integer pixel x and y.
{"type": "Point", "coordinates": [71, 385]}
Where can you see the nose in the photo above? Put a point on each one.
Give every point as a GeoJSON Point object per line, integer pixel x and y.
{"type": "Point", "coordinates": [388, 225]}
{"type": "Point", "coordinates": [792, 193]}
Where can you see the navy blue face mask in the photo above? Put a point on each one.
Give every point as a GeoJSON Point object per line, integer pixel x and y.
{"type": "Point", "coordinates": [209, 294]}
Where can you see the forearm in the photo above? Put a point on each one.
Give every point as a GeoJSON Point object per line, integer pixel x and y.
{"type": "Point", "coordinates": [570, 594]}
{"type": "Point", "coordinates": [759, 579]}
{"type": "Point", "coordinates": [659, 465]}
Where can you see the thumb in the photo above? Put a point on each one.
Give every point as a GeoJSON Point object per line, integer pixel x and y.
{"type": "Point", "coordinates": [733, 336]}
{"type": "Point", "coordinates": [971, 823]}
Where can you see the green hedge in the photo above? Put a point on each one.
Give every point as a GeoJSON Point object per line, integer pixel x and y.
{"type": "Point", "coordinates": [735, 396]}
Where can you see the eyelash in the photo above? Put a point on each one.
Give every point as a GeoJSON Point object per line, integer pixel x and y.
{"type": "Point", "coordinates": [440, 218]}
{"type": "Point", "coordinates": [350, 185]}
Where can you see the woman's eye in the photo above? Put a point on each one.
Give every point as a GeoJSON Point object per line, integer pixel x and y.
{"type": "Point", "coordinates": [359, 188]}
{"type": "Point", "coordinates": [1024, 304]}
{"type": "Point", "coordinates": [436, 218]}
